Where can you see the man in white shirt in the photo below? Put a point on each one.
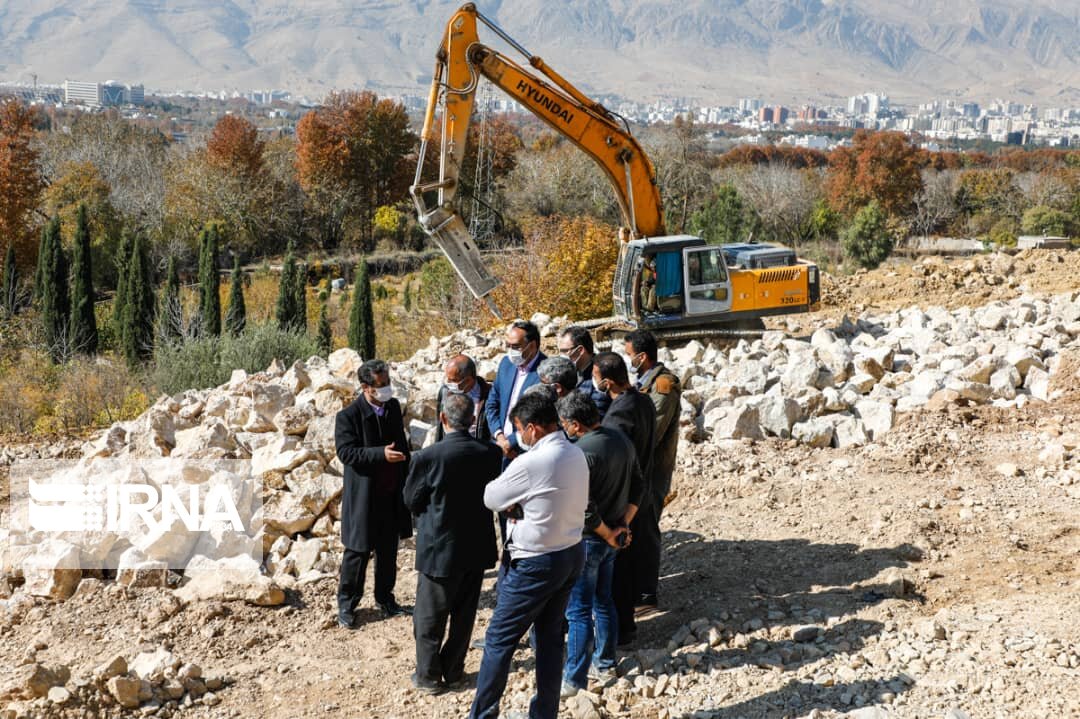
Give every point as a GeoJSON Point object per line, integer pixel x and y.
{"type": "Point", "coordinates": [546, 491]}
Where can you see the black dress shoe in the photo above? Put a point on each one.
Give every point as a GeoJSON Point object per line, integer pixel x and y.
{"type": "Point", "coordinates": [426, 686]}
{"type": "Point", "coordinates": [393, 609]}
{"type": "Point", "coordinates": [346, 620]}
{"type": "Point", "coordinates": [457, 685]}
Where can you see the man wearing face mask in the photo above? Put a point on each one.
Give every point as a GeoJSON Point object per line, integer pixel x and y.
{"type": "Point", "coordinates": [632, 413]}
{"type": "Point", "coordinates": [615, 485]}
{"type": "Point", "coordinates": [559, 374]}
{"type": "Point", "coordinates": [461, 378]}
{"type": "Point", "coordinates": [662, 387]}
{"type": "Point", "coordinates": [369, 436]}
{"type": "Point", "coordinates": [576, 344]}
{"type": "Point", "coordinates": [516, 373]}
{"type": "Point", "coordinates": [549, 486]}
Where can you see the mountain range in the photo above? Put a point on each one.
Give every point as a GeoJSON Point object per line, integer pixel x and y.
{"type": "Point", "coordinates": [709, 51]}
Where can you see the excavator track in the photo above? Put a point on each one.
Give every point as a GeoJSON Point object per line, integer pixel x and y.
{"type": "Point", "coordinates": [610, 327]}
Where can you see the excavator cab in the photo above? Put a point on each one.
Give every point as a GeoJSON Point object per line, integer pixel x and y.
{"type": "Point", "coordinates": [680, 281]}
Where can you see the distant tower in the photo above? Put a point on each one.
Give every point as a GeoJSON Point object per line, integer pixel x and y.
{"type": "Point", "coordinates": [482, 218]}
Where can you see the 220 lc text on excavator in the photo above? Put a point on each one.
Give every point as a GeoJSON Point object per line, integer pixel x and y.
{"type": "Point", "coordinates": [678, 286]}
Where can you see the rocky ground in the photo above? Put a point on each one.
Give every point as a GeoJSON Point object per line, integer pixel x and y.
{"type": "Point", "coordinates": [927, 568]}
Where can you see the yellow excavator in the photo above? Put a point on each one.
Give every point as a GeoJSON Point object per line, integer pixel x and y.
{"type": "Point", "coordinates": [678, 286]}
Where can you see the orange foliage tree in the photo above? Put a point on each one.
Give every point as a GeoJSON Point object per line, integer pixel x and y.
{"type": "Point", "coordinates": [352, 157]}
{"type": "Point", "coordinates": [234, 145]}
{"type": "Point", "coordinates": [21, 182]}
{"type": "Point", "coordinates": [881, 166]}
{"type": "Point", "coordinates": [567, 268]}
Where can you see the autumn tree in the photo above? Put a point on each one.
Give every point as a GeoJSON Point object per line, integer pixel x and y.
{"type": "Point", "coordinates": [568, 268]}
{"type": "Point", "coordinates": [84, 334]}
{"type": "Point", "coordinates": [21, 182]}
{"type": "Point", "coordinates": [234, 145]}
{"type": "Point", "coordinates": [236, 314]}
{"type": "Point", "coordinates": [682, 170]}
{"type": "Point", "coordinates": [782, 199]}
{"type": "Point", "coordinates": [879, 166]}
{"type": "Point", "coordinates": [362, 314]}
{"type": "Point", "coordinates": [352, 157]}
{"type": "Point", "coordinates": [81, 188]}
{"type": "Point", "coordinates": [129, 158]}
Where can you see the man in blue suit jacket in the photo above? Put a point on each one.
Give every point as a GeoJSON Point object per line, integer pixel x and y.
{"type": "Point", "coordinates": [517, 372]}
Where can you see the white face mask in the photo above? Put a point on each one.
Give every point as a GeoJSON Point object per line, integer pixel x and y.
{"type": "Point", "coordinates": [454, 388]}
{"type": "Point", "coordinates": [516, 356]}
{"type": "Point", "coordinates": [384, 394]}
{"type": "Point", "coordinates": [522, 443]}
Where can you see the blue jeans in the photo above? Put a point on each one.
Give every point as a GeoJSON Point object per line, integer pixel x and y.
{"type": "Point", "coordinates": [533, 592]}
{"type": "Point", "coordinates": [591, 615]}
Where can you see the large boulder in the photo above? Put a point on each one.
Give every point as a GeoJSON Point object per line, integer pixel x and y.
{"type": "Point", "coordinates": [282, 454]}
{"type": "Point", "coordinates": [314, 491]}
{"type": "Point", "coordinates": [52, 570]}
{"type": "Point", "coordinates": [776, 414]}
{"type": "Point", "coordinates": [202, 439]}
{"type": "Point", "coordinates": [736, 423]}
{"type": "Point", "coordinates": [294, 420]}
{"type": "Point", "coordinates": [813, 432]}
{"type": "Point", "coordinates": [234, 578]}
{"type": "Point", "coordinates": [877, 417]}
{"type": "Point", "coordinates": [345, 363]}
{"type": "Point", "coordinates": [266, 401]}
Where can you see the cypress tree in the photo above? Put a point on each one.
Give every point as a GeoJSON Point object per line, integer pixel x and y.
{"type": "Point", "coordinates": [209, 297]}
{"type": "Point", "coordinates": [325, 336]}
{"type": "Point", "coordinates": [236, 315]}
{"type": "Point", "coordinates": [137, 336]}
{"type": "Point", "coordinates": [407, 299]}
{"type": "Point", "coordinates": [170, 318]}
{"type": "Point", "coordinates": [55, 304]}
{"type": "Point", "coordinates": [84, 333]}
{"type": "Point", "coordinates": [10, 287]}
{"type": "Point", "coordinates": [123, 259]}
{"type": "Point", "coordinates": [361, 315]}
{"type": "Point", "coordinates": [285, 309]}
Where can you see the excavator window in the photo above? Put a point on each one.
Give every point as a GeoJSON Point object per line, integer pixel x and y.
{"type": "Point", "coordinates": [661, 283]}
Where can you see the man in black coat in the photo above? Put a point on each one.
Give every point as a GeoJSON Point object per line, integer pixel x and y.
{"type": "Point", "coordinates": [635, 415]}
{"type": "Point", "coordinates": [455, 542]}
{"type": "Point", "coordinates": [461, 378]}
{"type": "Point", "coordinates": [370, 439]}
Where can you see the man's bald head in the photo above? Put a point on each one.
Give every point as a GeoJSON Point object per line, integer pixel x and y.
{"type": "Point", "coordinates": [461, 372]}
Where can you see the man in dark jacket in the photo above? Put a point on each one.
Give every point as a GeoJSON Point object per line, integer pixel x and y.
{"type": "Point", "coordinates": [461, 378]}
{"type": "Point", "coordinates": [661, 386]}
{"type": "Point", "coordinates": [455, 542]}
{"type": "Point", "coordinates": [576, 344]}
{"type": "Point", "coordinates": [633, 413]}
{"type": "Point", "coordinates": [615, 485]}
{"type": "Point", "coordinates": [370, 439]}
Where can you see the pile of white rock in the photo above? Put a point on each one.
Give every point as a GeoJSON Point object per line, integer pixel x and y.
{"type": "Point", "coordinates": [845, 386]}
{"type": "Point", "coordinates": [841, 387]}
{"type": "Point", "coordinates": [154, 682]}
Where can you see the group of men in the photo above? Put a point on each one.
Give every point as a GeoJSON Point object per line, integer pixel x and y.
{"type": "Point", "coordinates": [574, 454]}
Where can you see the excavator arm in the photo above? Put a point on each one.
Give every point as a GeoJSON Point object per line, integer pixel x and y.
{"type": "Point", "coordinates": [461, 61]}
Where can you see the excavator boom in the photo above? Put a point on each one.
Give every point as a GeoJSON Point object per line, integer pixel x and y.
{"type": "Point", "coordinates": [461, 61]}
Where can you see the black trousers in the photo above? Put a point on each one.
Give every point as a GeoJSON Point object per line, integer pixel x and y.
{"type": "Point", "coordinates": [439, 599]}
{"type": "Point", "coordinates": [646, 529]}
{"type": "Point", "coordinates": [354, 565]}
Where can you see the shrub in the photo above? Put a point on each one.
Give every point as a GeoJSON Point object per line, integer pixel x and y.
{"type": "Point", "coordinates": [1043, 220]}
{"type": "Point", "coordinates": [208, 361]}
{"type": "Point", "coordinates": [867, 241]}
{"type": "Point", "coordinates": [1004, 232]}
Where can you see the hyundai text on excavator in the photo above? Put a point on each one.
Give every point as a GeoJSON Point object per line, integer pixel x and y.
{"type": "Point", "coordinates": [678, 286]}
